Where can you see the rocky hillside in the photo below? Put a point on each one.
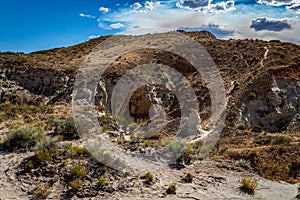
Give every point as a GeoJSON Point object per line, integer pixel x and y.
{"type": "Point", "coordinates": [42, 151]}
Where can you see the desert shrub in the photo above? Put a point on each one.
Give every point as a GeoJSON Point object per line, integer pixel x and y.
{"type": "Point", "coordinates": [256, 129]}
{"type": "Point", "coordinates": [49, 144]}
{"type": "Point", "coordinates": [102, 182]}
{"type": "Point", "coordinates": [44, 155]}
{"type": "Point", "coordinates": [187, 155]}
{"type": "Point", "coordinates": [280, 124]}
{"type": "Point", "coordinates": [76, 184]}
{"type": "Point", "coordinates": [106, 128]}
{"type": "Point", "coordinates": [252, 95]}
{"type": "Point", "coordinates": [10, 110]}
{"type": "Point", "coordinates": [172, 189]}
{"type": "Point", "coordinates": [225, 155]}
{"type": "Point", "coordinates": [70, 70]}
{"type": "Point", "coordinates": [78, 170]}
{"type": "Point", "coordinates": [155, 137]}
{"type": "Point", "coordinates": [147, 143]}
{"type": "Point", "coordinates": [262, 140]}
{"type": "Point", "coordinates": [244, 164]}
{"type": "Point", "coordinates": [23, 138]}
{"type": "Point", "coordinates": [188, 178]}
{"type": "Point", "coordinates": [220, 165]}
{"type": "Point", "coordinates": [65, 162]}
{"type": "Point", "coordinates": [30, 164]}
{"type": "Point", "coordinates": [241, 127]}
{"type": "Point", "coordinates": [42, 191]}
{"type": "Point", "coordinates": [249, 185]}
{"type": "Point", "coordinates": [104, 170]}
{"type": "Point", "coordinates": [149, 178]}
{"type": "Point", "coordinates": [68, 128]}
{"type": "Point", "coordinates": [67, 146]}
{"type": "Point", "coordinates": [60, 137]}
{"type": "Point", "coordinates": [76, 151]}
{"type": "Point", "coordinates": [282, 139]}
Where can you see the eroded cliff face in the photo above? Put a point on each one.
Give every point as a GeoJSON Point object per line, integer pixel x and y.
{"type": "Point", "coordinates": [37, 81]}
{"type": "Point", "coordinates": [48, 74]}
{"type": "Point", "coordinates": [278, 110]}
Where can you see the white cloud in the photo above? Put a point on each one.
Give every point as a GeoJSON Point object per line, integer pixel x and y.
{"type": "Point", "coordinates": [294, 7]}
{"type": "Point", "coordinates": [161, 19]}
{"type": "Point", "coordinates": [104, 10]}
{"type": "Point", "coordinates": [94, 36]}
{"type": "Point", "coordinates": [193, 4]}
{"type": "Point", "coordinates": [216, 29]}
{"type": "Point", "coordinates": [241, 23]}
{"type": "Point", "coordinates": [277, 2]}
{"type": "Point", "coordinates": [221, 7]}
{"type": "Point", "coordinates": [206, 6]}
{"type": "Point", "coordinates": [87, 16]}
{"type": "Point", "coordinates": [116, 26]}
{"type": "Point", "coordinates": [150, 5]}
{"type": "Point", "coordinates": [236, 23]}
{"type": "Point", "coordinates": [136, 6]}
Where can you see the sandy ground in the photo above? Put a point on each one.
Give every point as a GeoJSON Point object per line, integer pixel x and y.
{"type": "Point", "coordinates": [210, 182]}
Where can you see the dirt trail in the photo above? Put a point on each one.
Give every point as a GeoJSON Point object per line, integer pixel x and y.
{"type": "Point", "coordinates": [265, 57]}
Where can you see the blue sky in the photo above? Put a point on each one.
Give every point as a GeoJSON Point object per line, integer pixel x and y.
{"type": "Point", "coordinates": [33, 25]}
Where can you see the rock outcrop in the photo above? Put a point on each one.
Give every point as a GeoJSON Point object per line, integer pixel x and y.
{"type": "Point", "coordinates": [277, 111]}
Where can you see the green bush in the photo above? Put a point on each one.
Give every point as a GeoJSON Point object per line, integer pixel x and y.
{"type": "Point", "coordinates": [244, 164]}
{"type": "Point", "coordinates": [76, 184]}
{"type": "Point", "coordinates": [70, 70]}
{"type": "Point", "coordinates": [241, 127]}
{"type": "Point", "coordinates": [104, 170]}
{"type": "Point", "coordinates": [187, 155]}
{"type": "Point", "coordinates": [188, 178]}
{"type": "Point", "coordinates": [67, 129]}
{"type": "Point", "coordinates": [24, 137]}
{"type": "Point", "coordinates": [9, 110]}
{"type": "Point", "coordinates": [282, 139]}
{"type": "Point", "coordinates": [42, 191]}
{"type": "Point", "coordinates": [257, 129]}
{"type": "Point", "coordinates": [44, 155]}
{"type": "Point", "coordinates": [149, 178]}
{"type": "Point", "coordinates": [249, 185]}
{"type": "Point", "coordinates": [102, 182]}
{"type": "Point", "coordinates": [76, 151]}
{"type": "Point", "coordinates": [78, 170]}
{"type": "Point", "coordinates": [172, 189]}
{"type": "Point", "coordinates": [30, 164]}
{"type": "Point", "coordinates": [262, 140]}
{"type": "Point", "coordinates": [252, 95]}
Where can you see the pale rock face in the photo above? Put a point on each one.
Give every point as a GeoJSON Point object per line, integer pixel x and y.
{"type": "Point", "coordinates": [37, 81]}
{"type": "Point", "coordinates": [294, 125]}
{"type": "Point", "coordinates": [278, 110]}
